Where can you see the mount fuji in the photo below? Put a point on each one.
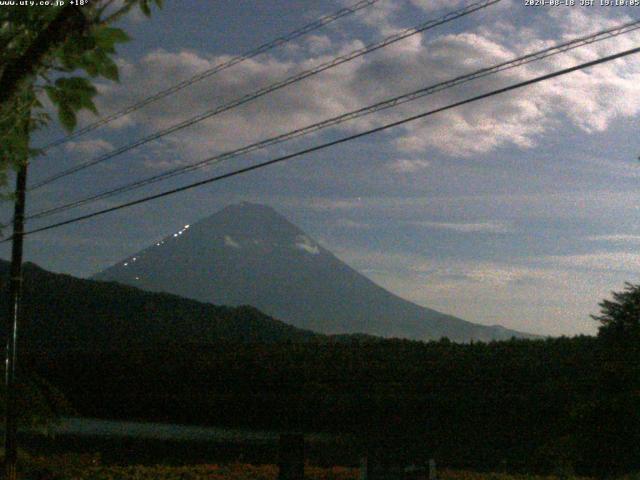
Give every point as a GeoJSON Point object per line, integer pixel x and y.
{"type": "Point", "coordinates": [248, 254]}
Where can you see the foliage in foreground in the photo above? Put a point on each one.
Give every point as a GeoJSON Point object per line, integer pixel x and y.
{"type": "Point", "coordinates": [88, 467]}
{"type": "Point", "coordinates": [543, 406]}
{"type": "Point", "coordinates": [57, 52]}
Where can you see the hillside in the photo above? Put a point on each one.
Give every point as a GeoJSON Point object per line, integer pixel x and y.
{"type": "Point", "coordinates": [65, 313]}
{"type": "Point", "coordinates": [531, 405]}
{"type": "Point", "coordinates": [127, 354]}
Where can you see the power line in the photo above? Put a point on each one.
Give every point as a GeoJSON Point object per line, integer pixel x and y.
{"type": "Point", "coordinates": [383, 105]}
{"type": "Point", "coordinates": [337, 142]}
{"type": "Point", "coordinates": [315, 25]}
{"type": "Point", "coordinates": [273, 87]}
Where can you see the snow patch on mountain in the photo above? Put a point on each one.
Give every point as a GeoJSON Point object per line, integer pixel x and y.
{"type": "Point", "coordinates": [281, 270]}
{"type": "Point", "coordinates": [306, 244]}
{"type": "Point", "coordinates": [230, 242]}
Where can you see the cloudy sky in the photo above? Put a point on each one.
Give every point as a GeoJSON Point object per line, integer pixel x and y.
{"type": "Point", "coordinates": [519, 210]}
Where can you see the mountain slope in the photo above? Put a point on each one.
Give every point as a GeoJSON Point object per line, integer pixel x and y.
{"type": "Point", "coordinates": [63, 313]}
{"type": "Point", "coordinates": [249, 254]}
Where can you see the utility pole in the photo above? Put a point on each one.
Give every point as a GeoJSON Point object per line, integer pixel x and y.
{"type": "Point", "coordinates": [13, 320]}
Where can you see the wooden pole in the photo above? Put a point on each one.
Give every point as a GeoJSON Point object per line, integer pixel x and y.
{"type": "Point", "coordinates": [15, 310]}
{"type": "Point", "coordinates": [291, 457]}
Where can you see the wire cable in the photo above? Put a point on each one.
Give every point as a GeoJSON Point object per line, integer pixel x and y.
{"type": "Point", "coordinates": [315, 25]}
{"type": "Point", "coordinates": [273, 87]}
{"type": "Point", "coordinates": [383, 105]}
{"type": "Point", "coordinates": [323, 146]}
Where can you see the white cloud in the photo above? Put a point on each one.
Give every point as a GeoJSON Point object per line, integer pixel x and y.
{"type": "Point", "coordinates": [601, 261]}
{"type": "Point", "coordinates": [404, 165]}
{"type": "Point", "coordinates": [561, 206]}
{"type": "Point", "coordinates": [305, 244]}
{"type": "Point", "coordinates": [380, 17]}
{"type": "Point", "coordinates": [88, 147]}
{"type": "Point", "coordinates": [442, 271]}
{"type": "Point", "coordinates": [487, 227]}
{"type": "Point", "coordinates": [590, 100]}
{"type": "Point", "coordinates": [230, 242]}
{"type": "Point", "coordinates": [537, 295]}
{"type": "Point", "coordinates": [615, 238]}
{"type": "Point", "coordinates": [430, 5]}
{"type": "Point", "coordinates": [318, 43]}
{"type": "Point", "coordinates": [544, 290]}
{"type": "Point", "coordinates": [353, 224]}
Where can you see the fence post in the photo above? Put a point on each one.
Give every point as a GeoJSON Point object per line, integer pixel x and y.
{"type": "Point", "coordinates": [432, 469]}
{"type": "Point", "coordinates": [291, 457]}
{"type": "Point", "coordinates": [364, 468]}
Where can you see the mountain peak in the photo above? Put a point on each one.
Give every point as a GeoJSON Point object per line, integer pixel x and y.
{"type": "Point", "coordinates": [249, 254]}
{"type": "Point", "coordinates": [248, 219]}
{"type": "Point", "coordinates": [249, 207]}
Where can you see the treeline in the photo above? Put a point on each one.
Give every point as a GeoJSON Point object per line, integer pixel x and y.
{"type": "Point", "coordinates": [528, 405]}
{"type": "Point", "coordinates": [62, 313]}
{"type": "Point", "coordinates": [522, 405]}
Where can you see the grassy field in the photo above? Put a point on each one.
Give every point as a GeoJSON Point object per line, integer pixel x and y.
{"type": "Point", "coordinates": [86, 467]}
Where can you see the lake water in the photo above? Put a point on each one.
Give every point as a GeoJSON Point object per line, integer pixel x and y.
{"type": "Point", "coordinates": [156, 431]}
{"type": "Point", "coordinates": [122, 442]}
{"type": "Point", "coordinates": [164, 431]}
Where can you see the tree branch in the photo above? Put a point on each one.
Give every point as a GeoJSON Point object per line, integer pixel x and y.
{"type": "Point", "coordinates": [69, 21]}
{"type": "Point", "coordinates": [121, 12]}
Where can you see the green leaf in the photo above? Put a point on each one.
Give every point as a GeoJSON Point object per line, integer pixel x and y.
{"type": "Point", "coordinates": [144, 7]}
{"type": "Point", "coordinates": [90, 67]}
{"type": "Point", "coordinates": [71, 95]}
{"type": "Point", "coordinates": [53, 94]}
{"type": "Point", "coordinates": [107, 37]}
{"type": "Point", "coordinates": [67, 117]}
{"type": "Point", "coordinates": [89, 105]}
{"type": "Point", "coordinates": [117, 35]}
{"type": "Point", "coordinates": [110, 71]}
{"type": "Point", "coordinates": [93, 61]}
{"type": "Point", "coordinates": [89, 50]}
{"type": "Point", "coordinates": [76, 85]}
